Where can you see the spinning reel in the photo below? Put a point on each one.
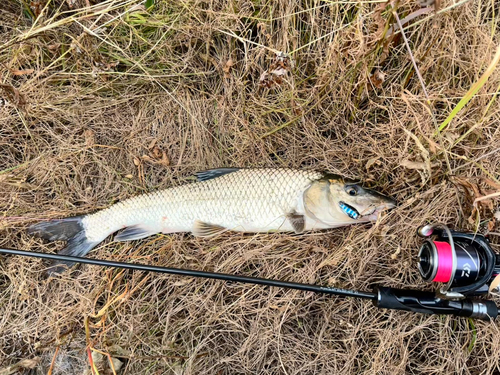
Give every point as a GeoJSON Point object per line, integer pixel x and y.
{"type": "Point", "coordinates": [463, 262]}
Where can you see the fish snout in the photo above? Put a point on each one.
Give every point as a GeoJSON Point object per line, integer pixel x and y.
{"type": "Point", "coordinates": [383, 201]}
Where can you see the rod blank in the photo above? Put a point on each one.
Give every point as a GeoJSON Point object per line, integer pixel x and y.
{"type": "Point", "coordinates": [193, 273]}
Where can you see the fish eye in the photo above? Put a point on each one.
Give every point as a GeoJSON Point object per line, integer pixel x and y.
{"type": "Point", "coordinates": [352, 190]}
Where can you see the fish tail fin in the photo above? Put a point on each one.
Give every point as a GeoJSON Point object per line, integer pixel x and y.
{"type": "Point", "coordinates": [71, 230]}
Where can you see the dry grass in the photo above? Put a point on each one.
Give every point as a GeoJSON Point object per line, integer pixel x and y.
{"type": "Point", "coordinates": [90, 89]}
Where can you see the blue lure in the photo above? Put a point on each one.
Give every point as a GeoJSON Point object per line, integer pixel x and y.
{"type": "Point", "coordinates": [349, 211]}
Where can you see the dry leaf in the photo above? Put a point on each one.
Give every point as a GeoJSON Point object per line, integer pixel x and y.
{"type": "Point", "coordinates": [227, 68]}
{"type": "Point", "coordinates": [491, 225]}
{"type": "Point", "coordinates": [279, 72]}
{"type": "Point", "coordinates": [22, 72]}
{"type": "Point", "coordinates": [24, 364]}
{"type": "Point", "coordinates": [53, 47]}
{"type": "Point", "coordinates": [156, 152]}
{"type": "Point", "coordinates": [371, 161]}
{"type": "Point", "coordinates": [13, 94]}
{"type": "Point", "coordinates": [377, 78]}
{"type": "Point", "coordinates": [37, 7]}
{"type": "Point", "coordinates": [493, 184]}
{"type": "Point", "coordinates": [152, 144]}
{"type": "Point", "coordinates": [413, 164]}
{"type": "Point", "coordinates": [137, 162]}
{"type": "Point", "coordinates": [157, 156]}
{"type": "Point", "coordinates": [276, 72]}
{"type": "Point", "coordinates": [89, 136]}
{"type": "Point", "coordinates": [164, 159]}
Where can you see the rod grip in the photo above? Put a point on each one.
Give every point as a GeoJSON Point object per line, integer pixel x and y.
{"type": "Point", "coordinates": [430, 303]}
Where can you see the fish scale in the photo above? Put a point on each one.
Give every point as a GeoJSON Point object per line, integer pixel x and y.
{"type": "Point", "coordinates": [246, 200]}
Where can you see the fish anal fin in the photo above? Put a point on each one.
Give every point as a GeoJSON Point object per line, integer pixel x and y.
{"type": "Point", "coordinates": [201, 229]}
{"type": "Point", "coordinates": [298, 221]}
{"type": "Point", "coordinates": [214, 173]}
{"type": "Point", "coordinates": [134, 232]}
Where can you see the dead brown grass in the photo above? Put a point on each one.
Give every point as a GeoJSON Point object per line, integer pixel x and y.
{"type": "Point", "coordinates": [91, 90]}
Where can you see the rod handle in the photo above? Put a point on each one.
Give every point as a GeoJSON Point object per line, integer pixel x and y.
{"type": "Point", "coordinates": [430, 303]}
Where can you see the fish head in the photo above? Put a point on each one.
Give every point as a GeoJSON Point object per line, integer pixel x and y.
{"type": "Point", "coordinates": [337, 202]}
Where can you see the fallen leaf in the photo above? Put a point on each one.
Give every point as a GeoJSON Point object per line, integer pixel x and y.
{"type": "Point", "coordinates": [371, 161]}
{"type": "Point", "coordinates": [164, 159]}
{"type": "Point", "coordinates": [491, 225]}
{"type": "Point", "coordinates": [13, 94]}
{"type": "Point", "coordinates": [413, 164]}
{"type": "Point", "coordinates": [53, 47]}
{"type": "Point", "coordinates": [156, 152]}
{"type": "Point", "coordinates": [89, 136]}
{"type": "Point", "coordinates": [377, 78]}
{"type": "Point", "coordinates": [24, 364]}
{"type": "Point", "coordinates": [152, 144]}
{"type": "Point", "coordinates": [22, 72]}
{"type": "Point", "coordinates": [493, 184]}
{"type": "Point", "coordinates": [277, 71]}
{"type": "Point", "coordinates": [227, 68]}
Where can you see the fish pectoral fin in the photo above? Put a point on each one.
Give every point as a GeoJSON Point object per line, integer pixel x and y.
{"type": "Point", "coordinates": [201, 229]}
{"type": "Point", "coordinates": [298, 221]}
{"type": "Point", "coordinates": [135, 232]}
{"type": "Point", "coordinates": [214, 173]}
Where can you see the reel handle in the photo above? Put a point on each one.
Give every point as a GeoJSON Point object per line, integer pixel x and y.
{"type": "Point", "coordinates": [430, 303]}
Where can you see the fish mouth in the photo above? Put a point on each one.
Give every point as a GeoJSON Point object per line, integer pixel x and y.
{"type": "Point", "coordinates": [375, 213]}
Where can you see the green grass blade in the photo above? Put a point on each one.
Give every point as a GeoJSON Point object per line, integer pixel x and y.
{"type": "Point", "coordinates": [472, 91]}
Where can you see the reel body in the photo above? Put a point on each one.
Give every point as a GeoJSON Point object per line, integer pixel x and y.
{"type": "Point", "coordinates": [464, 262]}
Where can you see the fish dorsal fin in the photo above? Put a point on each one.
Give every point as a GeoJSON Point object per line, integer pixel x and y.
{"type": "Point", "coordinates": [201, 229]}
{"type": "Point", "coordinates": [298, 221]}
{"type": "Point", "coordinates": [135, 232]}
{"type": "Point", "coordinates": [214, 173]}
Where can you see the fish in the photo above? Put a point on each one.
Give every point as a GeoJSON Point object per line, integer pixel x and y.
{"type": "Point", "coordinates": [224, 199]}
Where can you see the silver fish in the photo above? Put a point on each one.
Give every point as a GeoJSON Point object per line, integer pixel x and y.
{"type": "Point", "coordinates": [243, 200]}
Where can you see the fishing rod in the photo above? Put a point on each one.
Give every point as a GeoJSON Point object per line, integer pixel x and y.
{"type": "Point", "coordinates": [464, 262]}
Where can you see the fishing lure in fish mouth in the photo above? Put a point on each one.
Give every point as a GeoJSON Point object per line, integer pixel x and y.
{"type": "Point", "coordinates": [349, 210]}
{"type": "Point", "coordinates": [225, 199]}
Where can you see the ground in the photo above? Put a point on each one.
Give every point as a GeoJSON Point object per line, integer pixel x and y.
{"type": "Point", "coordinates": [101, 101]}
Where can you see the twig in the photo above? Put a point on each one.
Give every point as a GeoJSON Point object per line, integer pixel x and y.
{"type": "Point", "coordinates": [53, 361]}
{"type": "Point", "coordinates": [489, 196]}
{"type": "Point", "coordinates": [408, 18]}
{"type": "Point", "coordinates": [395, 14]}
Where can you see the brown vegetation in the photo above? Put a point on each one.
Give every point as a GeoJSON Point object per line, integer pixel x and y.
{"type": "Point", "coordinates": [102, 101]}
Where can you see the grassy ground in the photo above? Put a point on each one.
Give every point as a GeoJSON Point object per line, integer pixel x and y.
{"type": "Point", "coordinates": [102, 101]}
